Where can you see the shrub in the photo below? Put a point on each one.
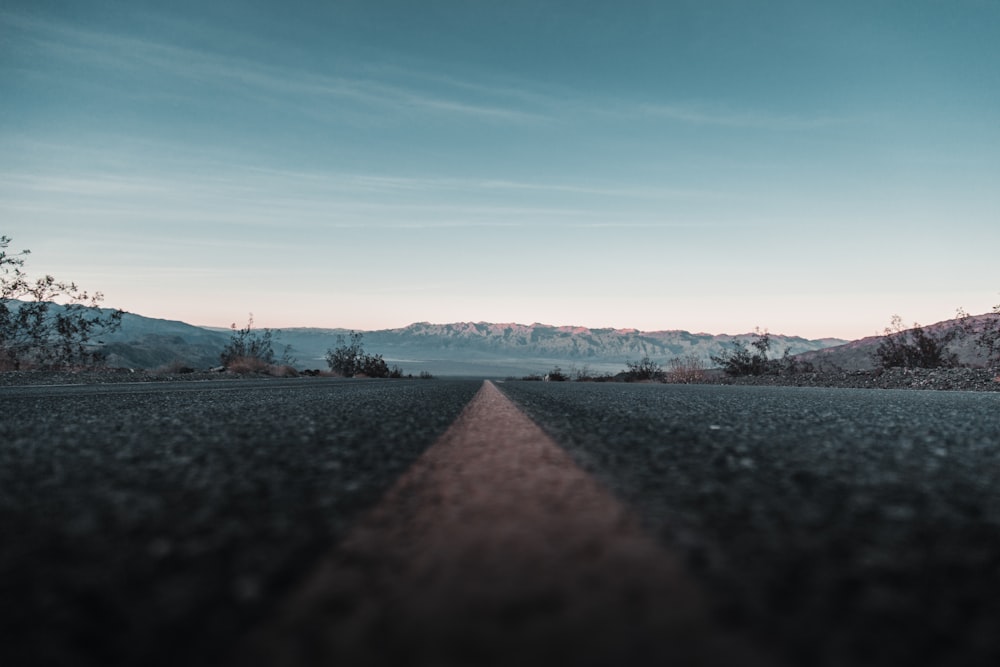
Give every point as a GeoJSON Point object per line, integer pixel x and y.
{"type": "Point", "coordinates": [246, 365]}
{"type": "Point", "coordinates": [686, 370]}
{"type": "Point", "coordinates": [645, 369]}
{"type": "Point", "coordinates": [343, 359]}
{"type": "Point", "coordinates": [373, 366]}
{"type": "Point", "coordinates": [252, 351]}
{"type": "Point", "coordinates": [36, 330]}
{"type": "Point", "coordinates": [914, 348]}
{"type": "Point", "coordinates": [789, 365]}
{"type": "Point", "coordinates": [740, 360]}
{"type": "Point", "coordinates": [556, 375]}
{"type": "Point", "coordinates": [349, 359]}
{"type": "Point", "coordinates": [585, 375]}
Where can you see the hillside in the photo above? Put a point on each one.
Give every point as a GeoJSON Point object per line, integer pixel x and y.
{"type": "Point", "coordinates": [857, 355]}
{"type": "Point", "coordinates": [478, 348]}
{"type": "Point", "coordinates": [145, 342]}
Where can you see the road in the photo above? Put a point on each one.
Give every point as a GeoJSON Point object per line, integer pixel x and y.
{"type": "Point", "coordinates": [149, 524]}
{"type": "Point", "coordinates": [847, 527]}
{"type": "Point", "coordinates": [157, 524]}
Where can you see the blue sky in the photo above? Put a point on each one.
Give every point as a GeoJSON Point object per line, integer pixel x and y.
{"type": "Point", "coordinates": [807, 167]}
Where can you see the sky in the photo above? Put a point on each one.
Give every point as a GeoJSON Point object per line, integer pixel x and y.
{"type": "Point", "coordinates": [809, 168]}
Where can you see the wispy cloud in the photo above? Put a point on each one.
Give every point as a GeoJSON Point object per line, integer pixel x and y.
{"type": "Point", "coordinates": [226, 200]}
{"type": "Point", "coordinates": [91, 185]}
{"type": "Point", "coordinates": [221, 195]}
{"type": "Point", "coordinates": [120, 52]}
{"type": "Point", "coordinates": [525, 92]}
{"type": "Point", "coordinates": [371, 183]}
{"type": "Point", "coordinates": [739, 119]}
{"type": "Point", "coordinates": [389, 88]}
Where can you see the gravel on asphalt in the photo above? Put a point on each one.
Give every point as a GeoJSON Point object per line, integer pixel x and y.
{"type": "Point", "coordinates": [944, 379]}
{"type": "Point", "coordinates": [845, 527]}
{"type": "Point", "coordinates": [494, 548]}
{"type": "Point", "coordinates": [151, 524]}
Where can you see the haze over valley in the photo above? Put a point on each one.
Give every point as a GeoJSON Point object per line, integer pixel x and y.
{"type": "Point", "coordinates": [465, 348]}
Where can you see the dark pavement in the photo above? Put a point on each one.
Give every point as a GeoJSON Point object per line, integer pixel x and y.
{"type": "Point", "coordinates": [150, 524]}
{"type": "Point", "coordinates": [153, 524]}
{"type": "Point", "coordinates": [844, 527]}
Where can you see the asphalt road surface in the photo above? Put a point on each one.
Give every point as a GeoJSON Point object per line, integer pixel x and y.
{"type": "Point", "coordinates": [160, 524]}
{"type": "Point", "coordinates": [150, 524]}
{"type": "Point", "coordinates": [844, 527]}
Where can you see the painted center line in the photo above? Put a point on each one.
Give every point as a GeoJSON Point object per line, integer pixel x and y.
{"type": "Point", "coordinates": [494, 548]}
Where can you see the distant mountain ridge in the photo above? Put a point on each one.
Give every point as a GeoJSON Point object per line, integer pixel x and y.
{"type": "Point", "coordinates": [458, 348]}
{"type": "Point", "coordinates": [485, 348]}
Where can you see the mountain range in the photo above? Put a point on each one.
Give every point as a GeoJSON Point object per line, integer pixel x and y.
{"type": "Point", "coordinates": [461, 348]}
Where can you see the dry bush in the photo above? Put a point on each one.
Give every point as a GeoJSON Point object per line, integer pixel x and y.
{"type": "Point", "coordinates": [253, 348]}
{"type": "Point", "coordinates": [739, 360]}
{"type": "Point", "coordinates": [247, 365]}
{"type": "Point", "coordinates": [349, 359]}
{"type": "Point", "coordinates": [915, 347]}
{"type": "Point", "coordinates": [556, 375]}
{"type": "Point", "coordinates": [598, 377]}
{"type": "Point", "coordinates": [255, 366]}
{"type": "Point", "coordinates": [644, 370]}
{"type": "Point", "coordinates": [689, 369]}
{"type": "Point", "coordinates": [48, 323]}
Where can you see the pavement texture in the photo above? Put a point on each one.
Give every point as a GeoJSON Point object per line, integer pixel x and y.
{"type": "Point", "coordinates": [839, 527]}
{"type": "Point", "coordinates": [167, 523]}
{"type": "Point", "coordinates": [494, 548]}
{"type": "Point", "coordinates": [152, 524]}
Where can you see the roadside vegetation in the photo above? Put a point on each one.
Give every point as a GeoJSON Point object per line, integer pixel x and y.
{"type": "Point", "coordinates": [755, 359]}
{"type": "Point", "coordinates": [915, 347]}
{"type": "Point", "coordinates": [689, 369]}
{"type": "Point", "coordinates": [644, 370]}
{"type": "Point", "coordinates": [899, 349]}
{"type": "Point", "coordinates": [556, 375]}
{"type": "Point", "coordinates": [985, 331]}
{"type": "Point", "coordinates": [584, 374]}
{"type": "Point", "coordinates": [742, 360]}
{"type": "Point", "coordinates": [251, 350]}
{"type": "Point", "coordinates": [349, 359]}
{"type": "Point", "coordinates": [47, 323]}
